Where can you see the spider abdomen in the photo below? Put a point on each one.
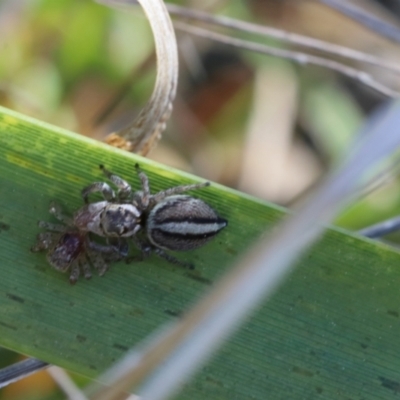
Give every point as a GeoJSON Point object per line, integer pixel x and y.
{"type": "Point", "coordinates": [182, 223]}
{"type": "Point", "coordinates": [66, 250]}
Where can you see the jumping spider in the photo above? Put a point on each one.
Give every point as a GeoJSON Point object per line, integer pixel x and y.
{"type": "Point", "coordinates": [167, 219]}
{"type": "Point", "coordinates": [71, 249]}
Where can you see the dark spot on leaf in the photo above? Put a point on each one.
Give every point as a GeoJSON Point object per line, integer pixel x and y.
{"type": "Point", "coordinates": [173, 313]}
{"type": "Point", "coordinates": [92, 367]}
{"type": "Point", "coordinates": [15, 298]}
{"type": "Point", "coordinates": [389, 384]}
{"type": "Point", "coordinates": [393, 313]}
{"type": "Point", "coordinates": [364, 346]}
{"type": "Point", "coordinates": [199, 278]}
{"type": "Point", "coordinates": [8, 326]}
{"type": "Point", "coordinates": [137, 312]}
{"type": "Point", "coordinates": [302, 371]}
{"type": "Point", "coordinates": [80, 338]}
{"type": "Point", "coordinates": [120, 347]}
{"type": "Point", "coordinates": [214, 381]}
{"type": "Point", "coordinates": [4, 227]}
{"type": "Point", "coordinates": [318, 390]}
{"type": "Point", "coordinates": [112, 315]}
{"type": "Point", "coordinates": [231, 251]}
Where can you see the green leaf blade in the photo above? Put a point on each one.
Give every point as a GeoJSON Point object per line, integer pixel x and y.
{"type": "Point", "coordinates": [331, 330]}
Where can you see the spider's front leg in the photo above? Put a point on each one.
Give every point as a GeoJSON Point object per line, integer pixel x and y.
{"type": "Point", "coordinates": [55, 209]}
{"type": "Point", "coordinates": [142, 197]}
{"type": "Point", "coordinates": [52, 227]}
{"type": "Point", "coordinates": [124, 188]}
{"type": "Point", "coordinates": [102, 187]}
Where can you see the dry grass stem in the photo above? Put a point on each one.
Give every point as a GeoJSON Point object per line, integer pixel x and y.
{"type": "Point", "coordinates": [292, 38]}
{"type": "Point", "coordinates": [295, 56]}
{"type": "Point", "coordinates": [365, 18]}
{"type": "Point", "coordinates": [66, 384]}
{"type": "Point", "coordinates": [280, 34]}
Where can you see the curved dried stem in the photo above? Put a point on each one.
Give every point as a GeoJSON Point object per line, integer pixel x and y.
{"type": "Point", "coordinates": [144, 133]}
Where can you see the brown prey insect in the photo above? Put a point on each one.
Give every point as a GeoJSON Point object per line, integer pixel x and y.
{"type": "Point", "coordinates": [68, 248]}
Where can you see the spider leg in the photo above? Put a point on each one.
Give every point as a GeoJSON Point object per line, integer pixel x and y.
{"type": "Point", "coordinates": [142, 197]}
{"type": "Point", "coordinates": [156, 198]}
{"type": "Point", "coordinates": [44, 241]}
{"type": "Point", "coordinates": [144, 246]}
{"type": "Point", "coordinates": [147, 249]}
{"type": "Point", "coordinates": [103, 248]}
{"type": "Point", "coordinates": [75, 272]}
{"type": "Point", "coordinates": [52, 227]}
{"type": "Point", "coordinates": [124, 188]}
{"type": "Point", "coordinates": [120, 245]}
{"type": "Point", "coordinates": [55, 209]}
{"type": "Point", "coordinates": [102, 187]}
{"type": "Point", "coordinates": [99, 263]}
{"type": "Point", "coordinates": [85, 266]}
{"type": "Point", "coordinates": [172, 259]}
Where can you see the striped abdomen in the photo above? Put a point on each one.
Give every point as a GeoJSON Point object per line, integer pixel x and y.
{"type": "Point", "coordinates": [182, 223]}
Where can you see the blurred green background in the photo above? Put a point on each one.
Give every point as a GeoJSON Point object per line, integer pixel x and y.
{"type": "Point", "coordinates": [256, 123]}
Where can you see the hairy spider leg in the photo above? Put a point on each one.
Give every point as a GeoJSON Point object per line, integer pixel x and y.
{"type": "Point", "coordinates": [55, 209]}
{"type": "Point", "coordinates": [172, 259]}
{"type": "Point", "coordinates": [75, 272]}
{"type": "Point", "coordinates": [121, 245]}
{"type": "Point", "coordinates": [52, 227]}
{"type": "Point", "coordinates": [156, 198]}
{"type": "Point", "coordinates": [147, 248]}
{"type": "Point", "coordinates": [44, 241]}
{"type": "Point", "coordinates": [98, 262]}
{"type": "Point", "coordinates": [124, 188]}
{"type": "Point", "coordinates": [104, 249]}
{"type": "Point", "coordinates": [96, 251]}
{"type": "Point", "coordinates": [142, 197]}
{"type": "Point", "coordinates": [84, 265]}
{"type": "Point", "coordinates": [102, 187]}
